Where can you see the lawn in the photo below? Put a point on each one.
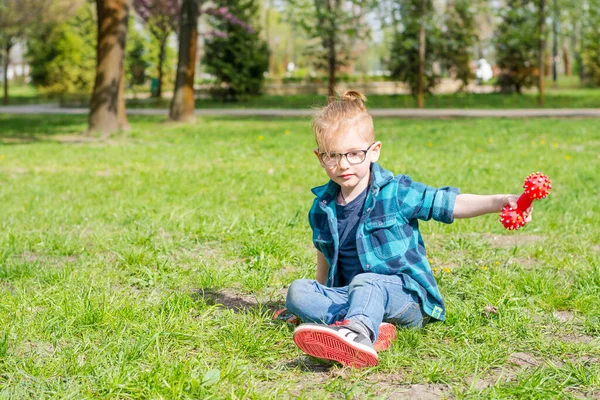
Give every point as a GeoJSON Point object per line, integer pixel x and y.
{"type": "Point", "coordinates": [562, 97]}
{"type": "Point", "coordinates": [148, 265]}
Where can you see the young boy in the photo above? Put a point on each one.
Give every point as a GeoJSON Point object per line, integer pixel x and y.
{"type": "Point", "coordinates": [371, 262]}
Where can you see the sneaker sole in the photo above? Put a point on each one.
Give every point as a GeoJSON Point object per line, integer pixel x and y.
{"type": "Point", "coordinates": [323, 343]}
{"type": "Point", "coordinates": [387, 334]}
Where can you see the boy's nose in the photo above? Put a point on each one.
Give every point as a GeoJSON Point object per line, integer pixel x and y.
{"type": "Point", "coordinates": [343, 163]}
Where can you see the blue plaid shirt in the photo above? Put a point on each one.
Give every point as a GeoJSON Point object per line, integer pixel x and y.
{"type": "Point", "coordinates": [388, 240]}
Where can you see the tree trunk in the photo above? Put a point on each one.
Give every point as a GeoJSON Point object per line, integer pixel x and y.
{"type": "Point", "coordinates": [420, 86]}
{"type": "Point", "coordinates": [182, 105]}
{"type": "Point", "coordinates": [122, 114]}
{"type": "Point", "coordinates": [567, 60]}
{"type": "Point", "coordinates": [6, 65]}
{"type": "Point", "coordinates": [107, 108]}
{"type": "Point", "coordinates": [555, 44]}
{"type": "Point", "coordinates": [332, 67]}
{"type": "Point", "coordinates": [331, 57]}
{"type": "Point", "coordinates": [161, 63]}
{"type": "Point", "coordinates": [542, 55]}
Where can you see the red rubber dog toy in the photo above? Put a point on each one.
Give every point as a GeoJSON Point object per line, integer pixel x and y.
{"type": "Point", "coordinates": [537, 186]}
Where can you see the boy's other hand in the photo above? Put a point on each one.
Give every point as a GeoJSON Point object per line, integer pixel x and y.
{"type": "Point", "coordinates": [511, 200]}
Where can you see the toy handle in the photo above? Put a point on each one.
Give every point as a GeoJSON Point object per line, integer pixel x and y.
{"type": "Point", "coordinates": [524, 202]}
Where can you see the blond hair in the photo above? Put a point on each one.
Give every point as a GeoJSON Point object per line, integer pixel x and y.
{"type": "Point", "coordinates": [339, 116]}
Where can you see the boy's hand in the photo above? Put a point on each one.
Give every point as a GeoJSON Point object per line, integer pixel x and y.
{"type": "Point", "coordinates": [511, 200]}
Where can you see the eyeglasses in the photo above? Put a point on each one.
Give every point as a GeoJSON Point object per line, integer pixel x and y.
{"type": "Point", "coordinates": [353, 157]}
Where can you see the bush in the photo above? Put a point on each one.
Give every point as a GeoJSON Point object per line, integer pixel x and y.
{"type": "Point", "coordinates": [237, 56]}
{"type": "Point", "coordinates": [517, 46]}
{"type": "Point", "coordinates": [62, 56]}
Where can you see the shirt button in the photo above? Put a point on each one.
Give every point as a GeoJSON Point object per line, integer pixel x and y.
{"type": "Point", "coordinates": [324, 202]}
{"type": "Point", "coordinates": [368, 209]}
{"type": "Point", "coordinates": [368, 266]}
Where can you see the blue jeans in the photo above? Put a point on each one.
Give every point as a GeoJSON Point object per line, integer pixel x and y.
{"type": "Point", "coordinates": [370, 298]}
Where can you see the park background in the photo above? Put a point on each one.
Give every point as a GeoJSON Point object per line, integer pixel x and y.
{"type": "Point", "coordinates": [148, 229]}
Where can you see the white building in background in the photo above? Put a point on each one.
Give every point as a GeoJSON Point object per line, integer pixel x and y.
{"type": "Point", "coordinates": [18, 66]}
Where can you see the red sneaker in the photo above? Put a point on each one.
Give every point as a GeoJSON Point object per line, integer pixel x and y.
{"type": "Point", "coordinates": [286, 316]}
{"type": "Point", "coordinates": [338, 342]}
{"type": "Point", "coordinates": [387, 334]}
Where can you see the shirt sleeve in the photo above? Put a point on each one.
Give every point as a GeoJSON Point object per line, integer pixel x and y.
{"type": "Point", "coordinates": [417, 200]}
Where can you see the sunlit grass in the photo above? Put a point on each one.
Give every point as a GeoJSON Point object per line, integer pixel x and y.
{"type": "Point", "coordinates": [114, 256]}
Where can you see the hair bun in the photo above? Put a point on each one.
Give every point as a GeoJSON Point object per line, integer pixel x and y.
{"type": "Point", "coordinates": [351, 95]}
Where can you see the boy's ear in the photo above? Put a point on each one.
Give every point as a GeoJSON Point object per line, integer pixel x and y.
{"type": "Point", "coordinates": [375, 151]}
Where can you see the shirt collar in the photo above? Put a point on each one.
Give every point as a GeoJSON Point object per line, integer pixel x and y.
{"type": "Point", "coordinates": [379, 178]}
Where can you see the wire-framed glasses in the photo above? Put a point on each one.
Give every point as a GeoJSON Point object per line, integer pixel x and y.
{"type": "Point", "coordinates": [353, 157]}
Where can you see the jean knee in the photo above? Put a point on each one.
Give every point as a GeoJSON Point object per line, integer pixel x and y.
{"type": "Point", "coordinates": [296, 294]}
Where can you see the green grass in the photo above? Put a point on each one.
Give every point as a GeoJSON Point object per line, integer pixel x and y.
{"type": "Point", "coordinates": [148, 265]}
{"type": "Point", "coordinates": [560, 98]}
{"type": "Point", "coordinates": [566, 96]}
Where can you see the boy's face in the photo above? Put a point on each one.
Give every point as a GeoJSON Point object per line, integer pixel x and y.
{"type": "Point", "coordinates": [347, 171]}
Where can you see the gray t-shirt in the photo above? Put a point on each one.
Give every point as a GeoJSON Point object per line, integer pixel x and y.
{"type": "Point", "coordinates": [348, 217]}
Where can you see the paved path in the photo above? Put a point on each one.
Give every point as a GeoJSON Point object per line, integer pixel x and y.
{"type": "Point", "coordinates": [380, 112]}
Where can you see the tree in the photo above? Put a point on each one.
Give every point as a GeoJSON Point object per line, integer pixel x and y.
{"type": "Point", "coordinates": [590, 48]}
{"type": "Point", "coordinates": [460, 40]}
{"type": "Point", "coordinates": [542, 50]}
{"type": "Point", "coordinates": [517, 45]}
{"type": "Point", "coordinates": [61, 54]}
{"type": "Point", "coordinates": [182, 105]}
{"type": "Point", "coordinates": [416, 45]}
{"type": "Point", "coordinates": [107, 109]}
{"type": "Point", "coordinates": [136, 58]}
{"type": "Point", "coordinates": [161, 17]}
{"type": "Point", "coordinates": [333, 26]}
{"type": "Point", "coordinates": [16, 17]}
{"type": "Point", "coordinates": [236, 56]}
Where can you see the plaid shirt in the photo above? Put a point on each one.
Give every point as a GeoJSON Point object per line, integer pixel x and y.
{"type": "Point", "coordinates": [388, 240]}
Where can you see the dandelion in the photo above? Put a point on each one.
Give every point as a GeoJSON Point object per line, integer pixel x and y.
{"type": "Point", "coordinates": [491, 140]}
{"type": "Point", "coordinates": [446, 269]}
{"type": "Point", "coordinates": [435, 269]}
{"type": "Point", "coordinates": [260, 138]}
{"type": "Point", "coordinates": [287, 132]}
{"type": "Point", "coordinates": [497, 262]}
{"type": "Point", "coordinates": [555, 145]}
{"type": "Point", "coordinates": [479, 150]}
{"type": "Point", "coordinates": [523, 154]}
{"type": "Point", "coordinates": [1, 157]}
{"type": "Point", "coordinates": [483, 267]}
{"type": "Point", "coordinates": [567, 157]}
{"type": "Point", "coordinates": [429, 144]}
{"type": "Point", "coordinates": [533, 144]}
{"type": "Point", "coordinates": [542, 142]}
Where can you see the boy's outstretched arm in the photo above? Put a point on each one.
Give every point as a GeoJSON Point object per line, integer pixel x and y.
{"type": "Point", "coordinates": [473, 205]}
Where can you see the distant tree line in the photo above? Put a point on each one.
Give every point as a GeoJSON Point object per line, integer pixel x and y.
{"type": "Point", "coordinates": [103, 47]}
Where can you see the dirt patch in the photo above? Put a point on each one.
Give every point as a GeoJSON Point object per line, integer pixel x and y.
{"type": "Point", "coordinates": [590, 394]}
{"type": "Point", "coordinates": [479, 383]}
{"type": "Point", "coordinates": [563, 316]}
{"type": "Point", "coordinates": [103, 173]}
{"type": "Point", "coordinates": [576, 338]}
{"type": "Point", "coordinates": [29, 349]}
{"type": "Point", "coordinates": [238, 301]}
{"type": "Point", "coordinates": [524, 360]}
{"type": "Point", "coordinates": [586, 360]}
{"type": "Point", "coordinates": [512, 240]}
{"type": "Point", "coordinates": [32, 257]}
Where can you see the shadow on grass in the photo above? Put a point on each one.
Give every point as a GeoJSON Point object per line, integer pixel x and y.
{"type": "Point", "coordinates": [20, 129]}
{"type": "Point", "coordinates": [235, 301]}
